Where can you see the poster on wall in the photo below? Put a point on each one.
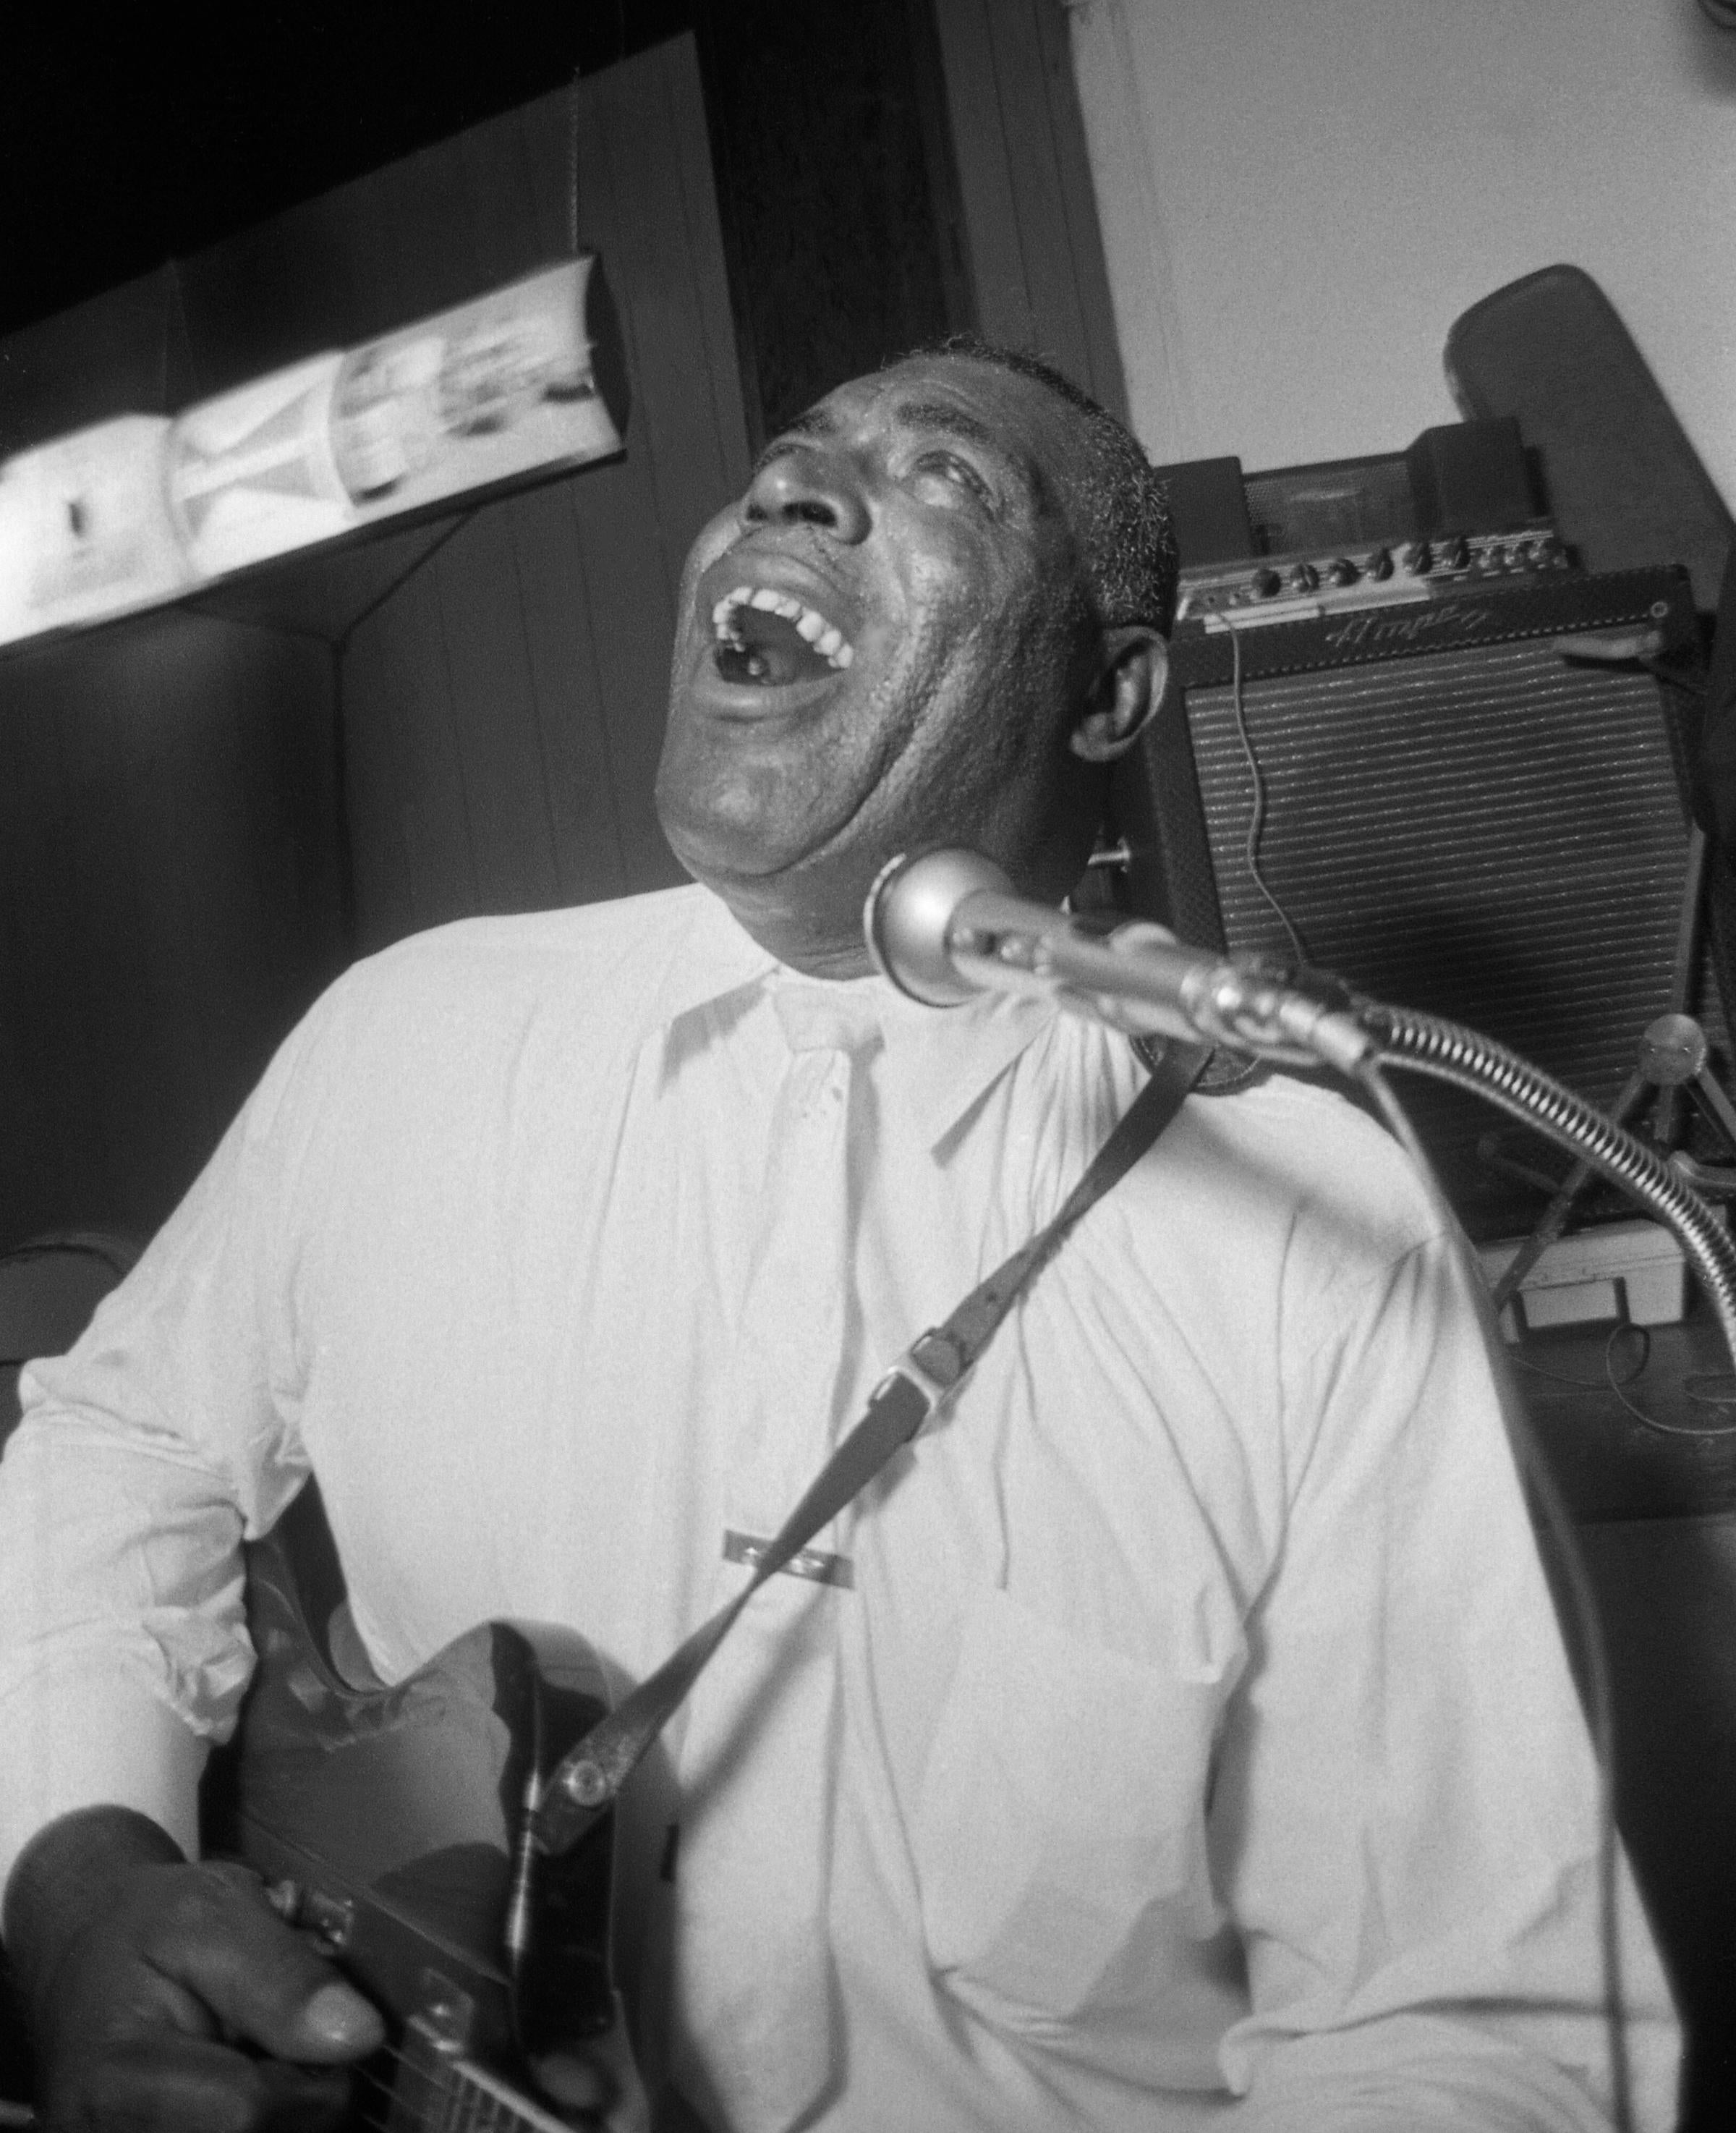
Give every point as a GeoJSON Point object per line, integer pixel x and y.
{"type": "Point", "coordinates": [132, 513]}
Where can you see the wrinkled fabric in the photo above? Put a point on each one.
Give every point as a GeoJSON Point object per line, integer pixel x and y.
{"type": "Point", "coordinates": [1194, 1739]}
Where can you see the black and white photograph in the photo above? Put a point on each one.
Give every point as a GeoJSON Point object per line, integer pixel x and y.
{"type": "Point", "coordinates": [867, 1067]}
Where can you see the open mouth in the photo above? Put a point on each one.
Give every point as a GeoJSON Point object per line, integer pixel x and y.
{"type": "Point", "coordinates": [765, 639]}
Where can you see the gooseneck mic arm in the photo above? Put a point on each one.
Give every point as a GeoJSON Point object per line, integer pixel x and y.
{"type": "Point", "coordinates": [943, 925]}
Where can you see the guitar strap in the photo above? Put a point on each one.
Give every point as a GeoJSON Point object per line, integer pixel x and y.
{"type": "Point", "coordinates": [583, 1785]}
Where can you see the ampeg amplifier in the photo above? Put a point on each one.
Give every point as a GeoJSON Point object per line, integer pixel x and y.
{"type": "Point", "coordinates": [1471, 806]}
{"type": "Point", "coordinates": [1259, 591]}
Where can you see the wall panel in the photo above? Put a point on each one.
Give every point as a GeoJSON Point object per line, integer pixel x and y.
{"type": "Point", "coordinates": [1298, 201]}
{"type": "Point", "coordinates": [1036, 261]}
{"type": "Point", "coordinates": [503, 708]}
{"type": "Point", "coordinates": [170, 899]}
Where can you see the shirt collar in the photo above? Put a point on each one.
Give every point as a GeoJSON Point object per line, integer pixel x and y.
{"type": "Point", "coordinates": [937, 1061]}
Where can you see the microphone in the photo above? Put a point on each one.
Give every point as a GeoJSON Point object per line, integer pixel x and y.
{"type": "Point", "coordinates": [942, 925]}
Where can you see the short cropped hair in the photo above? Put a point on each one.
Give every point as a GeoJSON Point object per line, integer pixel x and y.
{"type": "Point", "coordinates": [1128, 539]}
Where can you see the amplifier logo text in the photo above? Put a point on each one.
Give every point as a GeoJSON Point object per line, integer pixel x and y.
{"type": "Point", "coordinates": [1375, 630]}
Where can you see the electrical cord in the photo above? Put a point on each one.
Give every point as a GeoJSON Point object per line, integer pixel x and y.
{"type": "Point", "coordinates": [1256, 810]}
{"type": "Point", "coordinates": [1610, 1383]}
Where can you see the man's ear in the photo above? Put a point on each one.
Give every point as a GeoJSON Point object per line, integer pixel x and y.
{"type": "Point", "coordinates": [1129, 686]}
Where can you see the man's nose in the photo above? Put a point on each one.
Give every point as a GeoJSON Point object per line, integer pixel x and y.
{"type": "Point", "coordinates": [810, 487]}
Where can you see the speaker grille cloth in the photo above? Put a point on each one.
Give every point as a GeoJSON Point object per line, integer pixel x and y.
{"type": "Point", "coordinates": [1488, 834]}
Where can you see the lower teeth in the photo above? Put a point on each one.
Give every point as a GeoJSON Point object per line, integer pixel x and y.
{"type": "Point", "coordinates": [735, 662]}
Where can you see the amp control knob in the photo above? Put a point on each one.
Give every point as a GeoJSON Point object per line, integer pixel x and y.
{"type": "Point", "coordinates": [1266, 583]}
{"type": "Point", "coordinates": [1420, 557]}
{"type": "Point", "coordinates": [1305, 577]}
{"type": "Point", "coordinates": [1456, 555]}
{"type": "Point", "coordinates": [1379, 565]}
{"type": "Point", "coordinates": [1342, 570]}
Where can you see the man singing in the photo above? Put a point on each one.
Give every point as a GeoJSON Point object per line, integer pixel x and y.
{"type": "Point", "coordinates": [1185, 1739]}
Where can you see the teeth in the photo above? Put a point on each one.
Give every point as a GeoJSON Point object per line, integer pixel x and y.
{"type": "Point", "coordinates": [827, 639]}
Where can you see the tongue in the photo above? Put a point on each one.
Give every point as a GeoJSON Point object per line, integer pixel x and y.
{"type": "Point", "coordinates": [772, 652]}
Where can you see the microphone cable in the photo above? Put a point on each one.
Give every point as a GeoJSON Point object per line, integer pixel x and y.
{"type": "Point", "coordinates": [1256, 809]}
{"type": "Point", "coordinates": [1596, 1686]}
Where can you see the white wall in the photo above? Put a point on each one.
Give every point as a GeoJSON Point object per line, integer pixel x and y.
{"type": "Point", "coordinates": [1298, 197]}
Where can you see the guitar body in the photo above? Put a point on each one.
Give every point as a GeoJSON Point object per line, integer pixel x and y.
{"type": "Point", "coordinates": [392, 1823]}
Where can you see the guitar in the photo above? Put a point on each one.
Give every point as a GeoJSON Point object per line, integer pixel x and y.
{"type": "Point", "coordinates": [392, 1824]}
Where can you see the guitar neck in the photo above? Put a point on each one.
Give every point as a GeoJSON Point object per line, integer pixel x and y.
{"type": "Point", "coordinates": [438, 2091]}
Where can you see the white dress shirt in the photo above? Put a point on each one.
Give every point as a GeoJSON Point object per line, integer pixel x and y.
{"type": "Point", "coordinates": [1196, 1726]}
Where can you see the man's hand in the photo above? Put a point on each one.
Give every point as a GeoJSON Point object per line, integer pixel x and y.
{"type": "Point", "coordinates": [169, 1997]}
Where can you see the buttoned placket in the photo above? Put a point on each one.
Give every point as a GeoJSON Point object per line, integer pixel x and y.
{"type": "Point", "coordinates": [755, 1992]}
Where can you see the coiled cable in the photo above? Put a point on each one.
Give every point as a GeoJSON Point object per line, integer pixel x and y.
{"type": "Point", "coordinates": [1451, 1052]}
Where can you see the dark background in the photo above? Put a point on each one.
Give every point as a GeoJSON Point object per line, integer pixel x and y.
{"type": "Point", "coordinates": [129, 136]}
{"type": "Point", "coordinates": [130, 139]}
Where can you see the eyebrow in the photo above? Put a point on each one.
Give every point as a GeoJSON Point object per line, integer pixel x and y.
{"type": "Point", "coordinates": [950, 421]}
{"type": "Point", "coordinates": [938, 416]}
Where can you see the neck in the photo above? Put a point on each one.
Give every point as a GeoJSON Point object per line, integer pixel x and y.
{"type": "Point", "coordinates": [819, 941]}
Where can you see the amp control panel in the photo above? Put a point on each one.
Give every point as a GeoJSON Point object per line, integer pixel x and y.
{"type": "Point", "coordinates": [1288, 588]}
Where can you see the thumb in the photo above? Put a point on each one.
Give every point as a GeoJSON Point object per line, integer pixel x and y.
{"type": "Point", "coordinates": [265, 1983]}
{"type": "Point", "coordinates": [336, 2024]}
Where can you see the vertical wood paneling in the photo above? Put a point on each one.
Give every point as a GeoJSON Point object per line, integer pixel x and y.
{"type": "Point", "coordinates": [1022, 94]}
{"type": "Point", "coordinates": [829, 145]}
{"type": "Point", "coordinates": [46, 1012]}
{"type": "Point", "coordinates": [636, 518]}
{"type": "Point", "coordinates": [506, 208]}
{"type": "Point", "coordinates": [494, 716]}
{"type": "Point", "coordinates": [1035, 255]}
{"type": "Point", "coordinates": [383, 885]}
{"type": "Point", "coordinates": [169, 902]}
{"type": "Point", "coordinates": [514, 702]}
{"type": "Point", "coordinates": [983, 158]}
{"type": "Point", "coordinates": [414, 697]}
{"type": "Point", "coordinates": [707, 278]}
{"type": "Point", "coordinates": [1101, 372]}
{"type": "Point", "coordinates": [559, 635]}
{"type": "Point", "coordinates": [104, 917]}
{"type": "Point", "coordinates": [628, 573]}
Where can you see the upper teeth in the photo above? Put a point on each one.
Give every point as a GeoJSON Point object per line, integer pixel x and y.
{"type": "Point", "coordinates": [826, 638]}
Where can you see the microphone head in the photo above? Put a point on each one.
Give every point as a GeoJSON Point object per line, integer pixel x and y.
{"type": "Point", "coordinates": [909, 914]}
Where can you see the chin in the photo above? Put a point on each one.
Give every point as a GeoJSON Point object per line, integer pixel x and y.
{"type": "Point", "coordinates": [716, 845]}
{"type": "Point", "coordinates": [728, 823]}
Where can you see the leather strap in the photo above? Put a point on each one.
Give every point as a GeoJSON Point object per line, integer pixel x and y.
{"type": "Point", "coordinates": [584, 1784]}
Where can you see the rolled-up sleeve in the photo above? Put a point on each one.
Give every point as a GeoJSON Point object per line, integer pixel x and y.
{"type": "Point", "coordinates": [1406, 1809]}
{"type": "Point", "coordinates": [145, 1456]}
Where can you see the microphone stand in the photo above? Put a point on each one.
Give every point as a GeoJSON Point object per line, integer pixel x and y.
{"type": "Point", "coordinates": [943, 924]}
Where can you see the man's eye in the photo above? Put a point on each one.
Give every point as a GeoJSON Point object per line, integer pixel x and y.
{"type": "Point", "coordinates": [948, 470]}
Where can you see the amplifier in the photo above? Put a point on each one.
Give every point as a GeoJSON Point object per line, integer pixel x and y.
{"type": "Point", "coordinates": [1458, 810]}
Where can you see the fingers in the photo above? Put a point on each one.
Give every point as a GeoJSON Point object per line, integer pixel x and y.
{"type": "Point", "coordinates": [161, 2003]}
{"type": "Point", "coordinates": [217, 1938]}
{"type": "Point", "coordinates": [173, 2084]}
